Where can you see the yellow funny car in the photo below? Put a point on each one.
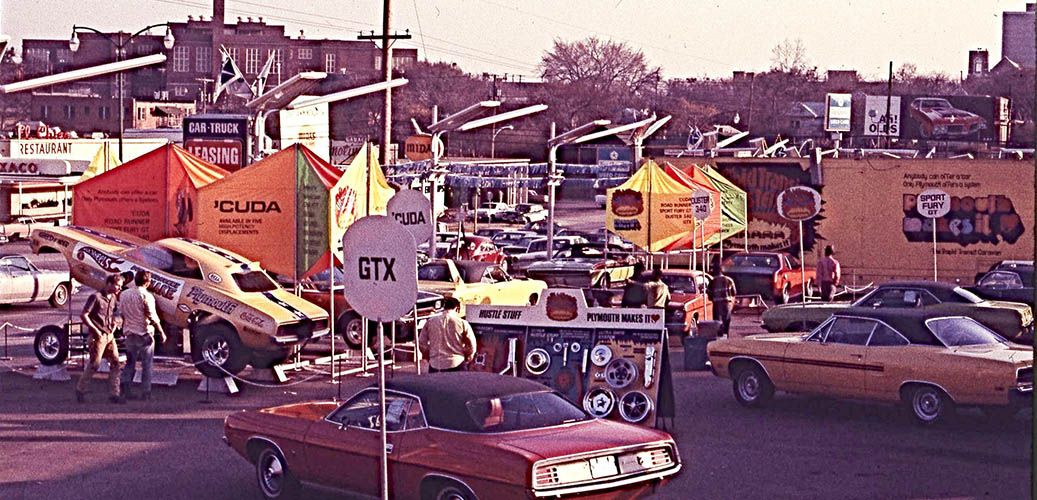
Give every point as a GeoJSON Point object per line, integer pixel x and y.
{"type": "Point", "coordinates": [928, 361]}
{"type": "Point", "coordinates": [235, 313]}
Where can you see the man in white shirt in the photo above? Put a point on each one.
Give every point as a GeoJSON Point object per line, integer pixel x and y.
{"type": "Point", "coordinates": [140, 323]}
{"type": "Point", "coordinates": [447, 340]}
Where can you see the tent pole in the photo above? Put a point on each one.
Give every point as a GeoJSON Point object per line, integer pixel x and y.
{"type": "Point", "coordinates": [745, 207]}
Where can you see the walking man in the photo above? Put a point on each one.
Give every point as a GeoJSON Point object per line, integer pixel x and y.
{"type": "Point", "coordinates": [828, 273]}
{"type": "Point", "coordinates": [447, 340]}
{"type": "Point", "coordinates": [99, 317]}
{"type": "Point", "coordinates": [722, 292]}
{"type": "Point", "coordinates": [657, 290]}
{"type": "Point", "coordinates": [140, 323]}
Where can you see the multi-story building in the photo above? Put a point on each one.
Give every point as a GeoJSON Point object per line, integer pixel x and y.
{"type": "Point", "coordinates": [1017, 40]}
{"type": "Point", "coordinates": [187, 75]}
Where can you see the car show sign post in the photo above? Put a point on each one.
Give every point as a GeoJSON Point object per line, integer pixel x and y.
{"type": "Point", "coordinates": [933, 204]}
{"type": "Point", "coordinates": [701, 207]}
{"type": "Point", "coordinates": [800, 203]}
{"type": "Point", "coordinates": [380, 270]}
{"type": "Point", "coordinates": [413, 211]}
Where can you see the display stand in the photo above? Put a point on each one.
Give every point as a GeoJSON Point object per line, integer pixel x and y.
{"type": "Point", "coordinates": [57, 373]}
{"type": "Point", "coordinates": [225, 385]}
{"type": "Point", "coordinates": [612, 361]}
{"type": "Point", "coordinates": [269, 375]}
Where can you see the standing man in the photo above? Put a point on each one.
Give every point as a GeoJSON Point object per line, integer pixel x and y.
{"type": "Point", "coordinates": [657, 290]}
{"type": "Point", "coordinates": [99, 317]}
{"type": "Point", "coordinates": [722, 292]}
{"type": "Point", "coordinates": [140, 323]}
{"type": "Point", "coordinates": [828, 273]}
{"type": "Point", "coordinates": [447, 340]}
{"type": "Point", "coordinates": [634, 293]}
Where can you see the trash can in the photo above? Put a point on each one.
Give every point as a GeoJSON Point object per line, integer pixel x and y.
{"type": "Point", "coordinates": [695, 353]}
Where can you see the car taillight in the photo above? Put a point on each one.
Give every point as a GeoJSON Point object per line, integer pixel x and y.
{"type": "Point", "coordinates": [1024, 378]}
{"type": "Point", "coordinates": [601, 467]}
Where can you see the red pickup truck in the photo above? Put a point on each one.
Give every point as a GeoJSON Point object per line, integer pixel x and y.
{"type": "Point", "coordinates": [773, 275]}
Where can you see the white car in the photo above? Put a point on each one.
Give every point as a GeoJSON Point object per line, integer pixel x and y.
{"type": "Point", "coordinates": [601, 200]}
{"type": "Point", "coordinates": [491, 211]}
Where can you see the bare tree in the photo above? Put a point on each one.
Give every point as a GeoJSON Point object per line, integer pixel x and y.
{"type": "Point", "coordinates": [789, 56]}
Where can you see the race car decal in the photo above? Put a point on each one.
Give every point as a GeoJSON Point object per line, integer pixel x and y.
{"type": "Point", "coordinates": [290, 308]}
{"type": "Point", "coordinates": [103, 236]}
{"type": "Point", "coordinates": [106, 262]}
{"type": "Point", "coordinates": [198, 296]}
{"type": "Point", "coordinates": [216, 250]}
{"type": "Point", "coordinates": [166, 289]}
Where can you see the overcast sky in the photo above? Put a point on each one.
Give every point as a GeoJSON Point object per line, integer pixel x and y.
{"type": "Point", "coordinates": [687, 38]}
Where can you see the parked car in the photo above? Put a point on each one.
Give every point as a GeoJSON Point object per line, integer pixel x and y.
{"type": "Point", "coordinates": [20, 227]}
{"type": "Point", "coordinates": [601, 236]}
{"type": "Point", "coordinates": [1011, 320]}
{"type": "Point", "coordinates": [930, 361]}
{"type": "Point", "coordinates": [491, 211]}
{"type": "Point", "coordinates": [511, 237]}
{"type": "Point", "coordinates": [349, 324]}
{"type": "Point", "coordinates": [525, 213]}
{"type": "Point", "coordinates": [478, 248]}
{"type": "Point", "coordinates": [474, 282]}
{"type": "Point", "coordinates": [689, 300]}
{"type": "Point", "coordinates": [22, 282]}
{"type": "Point", "coordinates": [236, 314]}
{"type": "Point", "coordinates": [773, 275]}
{"type": "Point", "coordinates": [452, 436]}
{"type": "Point", "coordinates": [583, 265]}
{"type": "Point", "coordinates": [1010, 280]}
{"type": "Point", "coordinates": [938, 119]}
{"type": "Point", "coordinates": [541, 227]}
{"type": "Point", "coordinates": [536, 251]}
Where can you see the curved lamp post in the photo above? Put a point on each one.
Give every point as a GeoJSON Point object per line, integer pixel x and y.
{"type": "Point", "coordinates": [120, 52]}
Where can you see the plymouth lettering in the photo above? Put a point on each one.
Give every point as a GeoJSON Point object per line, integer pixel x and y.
{"type": "Point", "coordinates": [198, 296]}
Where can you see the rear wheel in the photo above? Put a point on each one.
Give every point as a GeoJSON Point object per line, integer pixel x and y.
{"type": "Point", "coordinates": [752, 387]}
{"type": "Point", "coordinates": [350, 326]}
{"type": "Point", "coordinates": [447, 490]}
{"type": "Point", "coordinates": [60, 296]}
{"type": "Point", "coordinates": [51, 345]}
{"type": "Point", "coordinates": [273, 477]}
{"type": "Point", "coordinates": [785, 293]}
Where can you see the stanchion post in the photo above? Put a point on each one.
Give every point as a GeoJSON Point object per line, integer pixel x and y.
{"type": "Point", "coordinates": [7, 356]}
{"type": "Point", "coordinates": [384, 479]}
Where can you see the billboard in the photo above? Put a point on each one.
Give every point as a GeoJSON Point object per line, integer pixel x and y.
{"type": "Point", "coordinates": [218, 139]}
{"type": "Point", "coordinates": [837, 112]}
{"type": "Point", "coordinates": [875, 118]}
{"type": "Point", "coordinates": [948, 118]}
{"type": "Point", "coordinates": [871, 215]}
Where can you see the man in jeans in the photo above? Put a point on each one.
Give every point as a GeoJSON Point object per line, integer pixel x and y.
{"type": "Point", "coordinates": [828, 273]}
{"type": "Point", "coordinates": [139, 324]}
{"type": "Point", "coordinates": [447, 340]}
{"type": "Point", "coordinates": [99, 317]}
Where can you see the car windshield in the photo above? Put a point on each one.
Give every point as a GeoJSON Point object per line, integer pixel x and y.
{"type": "Point", "coordinates": [522, 411]}
{"type": "Point", "coordinates": [437, 271]}
{"type": "Point", "coordinates": [1001, 280]}
{"type": "Point", "coordinates": [679, 282]}
{"type": "Point", "coordinates": [254, 281]}
{"type": "Point", "coordinates": [507, 238]}
{"type": "Point", "coordinates": [967, 295]}
{"type": "Point", "coordinates": [537, 246]}
{"type": "Point", "coordinates": [768, 261]}
{"type": "Point", "coordinates": [962, 331]}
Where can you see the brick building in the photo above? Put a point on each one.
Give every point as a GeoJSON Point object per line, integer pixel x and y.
{"type": "Point", "coordinates": [187, 75]}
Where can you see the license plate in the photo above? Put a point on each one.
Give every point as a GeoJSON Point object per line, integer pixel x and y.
{"type": "Point", "coordinates": [603, 467]}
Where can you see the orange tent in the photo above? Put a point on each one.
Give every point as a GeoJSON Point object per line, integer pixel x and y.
{"type": "Point", "coordinates": [152, 196]}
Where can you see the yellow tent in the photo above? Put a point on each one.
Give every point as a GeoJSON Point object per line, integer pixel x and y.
{"type": "Point", "coordinates": [361, 191]}
{"type": "Point", "coordinates": [104, 160]}
{"type": "Point", "coordinates": [651, 209]}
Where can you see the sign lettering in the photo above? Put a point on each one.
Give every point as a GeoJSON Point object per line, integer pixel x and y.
{"type": "Point", "coordinates": [376, 268]}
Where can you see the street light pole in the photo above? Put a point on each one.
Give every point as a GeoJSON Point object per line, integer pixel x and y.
{"type": "Point", "coordinates": [120, 52]}
{"type": "Point", "coordinates": [493, 140]}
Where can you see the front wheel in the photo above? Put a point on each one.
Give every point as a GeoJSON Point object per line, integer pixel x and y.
{"type": "Point", "coordinates": [60, 296]}
{"type": "Point", "coordinates": [273, 477]}
{"type": "Point", "coordinates": [752, 387]}
{"type": "Point", "coordinates": [218, 351]}
{"type": "Point", "coordinates": [351, 326]}
{"type": "Point", "coordinates": [785, 293]}
{"type": "Point", "coordinates": [453, 492]}
{"type": "Point", "coordinates": [51, 345]}
{"type": "Point", "coordinates": [929, 405]}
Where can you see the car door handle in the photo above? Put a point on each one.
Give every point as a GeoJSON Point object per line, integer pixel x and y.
{"type": "Point", "coordinates": [858, 356]}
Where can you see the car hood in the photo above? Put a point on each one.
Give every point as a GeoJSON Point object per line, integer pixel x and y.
{"type": "Point", "coordinates": [582, 437]}
{"type": "Point", "coordinates": [1010, 353]}
{"type": "Point", "coordinates": [564, 265]}
{"type": "Point", "coordinates": [282, 306]}
{"type": "Point", "coordinates": [948, 113]}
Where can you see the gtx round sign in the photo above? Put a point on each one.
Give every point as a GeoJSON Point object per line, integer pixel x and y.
{"type": "Point", "coordinates": [799, 203]}
{"type": "Point", "coordinates": [701, 204]}
{"type": "Point", "coordinates": [412, 210]}
{"type": "Point", "coordinates": [379, 261]}
{"type": "Point", "coordinates": [933, 203]}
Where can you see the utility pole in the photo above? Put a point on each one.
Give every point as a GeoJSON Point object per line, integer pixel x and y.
{"type": "Point", "coordinates": [385, 37]}
{"type": "Point", "coordinates": [889, 100]}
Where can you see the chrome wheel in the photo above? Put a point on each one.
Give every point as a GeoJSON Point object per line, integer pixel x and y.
{"type": "Point", "coordinates": [352, 330]}
{"type": "Point", "coordinates": [216, 350]}
{"type": "Point", "coordinates": [50, 345]}
{"type": "Point", "coordinates": [928, 404]}
{"type": "Point", "coordinates": [749, 387]}
{"type": "Point", "coordinates": [60, 295]}
{"type": "Point", "coordinates": [272, 475]}
{"type": "Point", "coordinates": [752, 387]}
{"type": "Point", "coordinates": [452, 492]}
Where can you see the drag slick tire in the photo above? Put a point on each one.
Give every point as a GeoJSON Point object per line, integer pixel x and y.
{"type": "Point", "coordinates": [218, 344]}
{"type": "Point", "coordinates": [752, 387]}
{"type": "Point", "coordinates": [274, 479]}
{"type": "Point", "coordinates": [51, 345]}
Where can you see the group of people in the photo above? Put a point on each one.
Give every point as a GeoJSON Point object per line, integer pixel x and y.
{"type": "Point", "coordinates": [140, 324]}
